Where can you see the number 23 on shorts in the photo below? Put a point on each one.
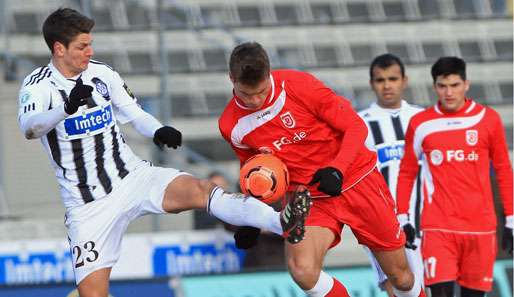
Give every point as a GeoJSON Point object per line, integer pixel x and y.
{"type": "Point", "coordinates": [84, 253]}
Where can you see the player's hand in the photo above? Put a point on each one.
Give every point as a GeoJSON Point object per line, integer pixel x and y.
{"type": "Point", "coordinates": [507, 234]}
{"type": "Point", "coordinates": [409, 230]}
{"type": "Point", "coordinates": [246, 237]}
{"type": "Point", "coordinates": [168, 136]}
{"type": "Point", "coordinates": [330, 180]}
{"type": "Point", "coordinates": [78, 97]}
{"type": "Point", "coordinates": [410, 235]}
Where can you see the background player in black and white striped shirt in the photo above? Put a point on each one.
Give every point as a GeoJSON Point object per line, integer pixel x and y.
{"type": "Point", "coordinates": [387, 120]}
{"type": "Point", "coordinates": [74, 105]}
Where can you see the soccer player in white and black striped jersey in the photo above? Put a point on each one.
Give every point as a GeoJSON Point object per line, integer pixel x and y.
{"type": "Point", "coordinates": [387, 120]}
{"type": "Point", "coordinates": [75, 105]}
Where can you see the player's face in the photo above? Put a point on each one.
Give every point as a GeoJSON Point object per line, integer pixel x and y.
{"type": "Point", "coordinates": [75, 58]}
{"type": "Point", "coordinates": [388, 85]}
{"type": "Point", "coordinates": [253, 97]}
{"type": "Point", "coordinates": [451, 91]}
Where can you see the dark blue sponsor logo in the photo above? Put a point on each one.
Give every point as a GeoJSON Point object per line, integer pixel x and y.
{"type": "Point", "coordinates": [388, 153]}
{"type": "Point", "coordinates": [35, 268]}
{"type": "Point", "coordinates": [196, 259]}
{"type": "Point", "coordinates": [96, 119]}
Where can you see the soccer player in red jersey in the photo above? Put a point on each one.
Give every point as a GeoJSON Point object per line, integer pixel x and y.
{"type": "Point", "coordinates": [456, 140]}
{"type": "Point", "coordinates": [321, 139]}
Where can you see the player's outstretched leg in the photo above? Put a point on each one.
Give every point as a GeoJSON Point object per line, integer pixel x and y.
{"type": "Point", "coordinates": [292, 217]}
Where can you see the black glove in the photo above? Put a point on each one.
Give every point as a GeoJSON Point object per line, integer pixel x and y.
{"type": "Point", "coordinates": [410, 234]}
{"type": "Point", "coordinates": [167, 136]}
{"type": "Point", "coordinates": [246, 237]}
{"type": "Point", "coordinates": [507, 240]}
{"type": "Point", "coordinates": [78, 97]}
{"type": "Point", "coordinates": [330, 180]}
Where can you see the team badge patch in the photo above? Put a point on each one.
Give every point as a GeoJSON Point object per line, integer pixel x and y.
{"type": "Point", "coordinates": [24, 98]}
{"type": "Point", "coordinates": [471, 137]}
{"type": "Point", "coordinates": [288, 120]}
{"type": "Point", "coordinates": [101, 87]}
{"type": "Point", "coordinates": [436, 156]}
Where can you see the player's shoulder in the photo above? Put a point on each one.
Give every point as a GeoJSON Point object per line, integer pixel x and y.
{"type": "Point", "coordinates": [228, 117]}
{"type": "Point", "coordinates": [366, 113]}
{"type": "Point", "coordinates": [424, 115]}
{"type": "Point", "coordinates": [292, 75]}
{"type": "Point", "coordinates": [100, 67]}
{"type": "Point", "coordinates": [413, 107]}
{"type": "Point", "coordinates": [37, 78]}
{"type": "Point", "coordinates": [490, 112]}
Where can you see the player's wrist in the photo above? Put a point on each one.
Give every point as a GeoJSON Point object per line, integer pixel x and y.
{"type": "Point", "coordinates": [509, 221]}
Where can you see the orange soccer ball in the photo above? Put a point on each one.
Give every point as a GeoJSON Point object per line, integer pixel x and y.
{"type": "Point", "coordinates": [265, 177]}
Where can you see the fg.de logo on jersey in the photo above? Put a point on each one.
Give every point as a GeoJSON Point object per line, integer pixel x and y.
{"type": "Point", "coordinates": [288, 120]}
{"type": "Point", "coordinates": [471, 137]}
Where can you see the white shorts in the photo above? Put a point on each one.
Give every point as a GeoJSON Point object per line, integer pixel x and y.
{"type": "Point", "coordinates": [413, 258]}
{"type": "Point", "coordinates": [95, 230]}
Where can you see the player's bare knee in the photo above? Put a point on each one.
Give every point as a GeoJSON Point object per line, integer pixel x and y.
{"type": "Point", "coordinates": [186, 193]}
{"type": "Point", "coordinates": [402, 280]}
{"type": "Point", "coordinates": [305, 273]}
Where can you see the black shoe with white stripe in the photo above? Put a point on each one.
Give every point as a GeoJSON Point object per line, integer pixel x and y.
{"type": "Point", "coordinates": [292, 217]}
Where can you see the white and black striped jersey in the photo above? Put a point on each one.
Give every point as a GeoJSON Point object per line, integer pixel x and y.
{"type": "Point", "coordinates": [87, 149]}
{"type": "Point", "coordinates": [386, 136]}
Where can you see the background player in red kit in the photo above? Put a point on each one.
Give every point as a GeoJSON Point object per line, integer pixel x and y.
{"type": "Point", "coordinates": [321, 139]}
{"type": "Point", "coordinates": [456, 139]}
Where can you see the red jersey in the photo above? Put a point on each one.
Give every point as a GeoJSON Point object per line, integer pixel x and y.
{"type": "Point", "coordinates": [456, 149]}
{"type": "Point", "coordinates": [305, 124]}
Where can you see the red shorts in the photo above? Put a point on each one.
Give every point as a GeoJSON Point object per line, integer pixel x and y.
{"type": "Point", "coordinates": [367, 207]}
{"type": "Point", "coordinates": [462, 257]}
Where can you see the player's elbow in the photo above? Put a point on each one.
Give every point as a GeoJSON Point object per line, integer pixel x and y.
{"type": "Point", "coordinates": [33, 133]}
{"type": "Point", "coordinates": [29, 134]}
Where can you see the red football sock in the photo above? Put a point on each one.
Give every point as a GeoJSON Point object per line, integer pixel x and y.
{"type": "Point", "coordinates": [422, 293]}
{"type": "Point", "coordinates": [338, 290]}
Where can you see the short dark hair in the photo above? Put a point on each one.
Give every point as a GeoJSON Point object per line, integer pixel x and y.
{"type": "Point", "coordinates": [249, 63]}
{"type": "Point", "coordinates": [449, 65]}
{"type": "Point", "coordinates": [385, 61]}
{"type": "Point", "coordinates": [63, 25]}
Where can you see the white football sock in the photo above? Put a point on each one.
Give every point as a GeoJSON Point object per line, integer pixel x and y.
{"type": "Point", "coordinates": [239, 210]}
{"type": "Point", "coordinates": [322, 286]}
{"type": "Point", "coordinates": [414, 292]}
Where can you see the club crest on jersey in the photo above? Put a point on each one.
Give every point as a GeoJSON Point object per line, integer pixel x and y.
{"type": "Point", "coordinates": [101, 87]}
{"type": "Point", "coordinates": [471, 137]}
{"type": "Point", "coordinates": [436, 156]}
{"type": "Point", "coordinates": [288, 120]}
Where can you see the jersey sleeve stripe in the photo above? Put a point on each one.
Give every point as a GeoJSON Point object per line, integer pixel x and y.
{"type": "Point", "coordinates": [35, 76]}
{"type": "Point", "coordinates": [45, 75]}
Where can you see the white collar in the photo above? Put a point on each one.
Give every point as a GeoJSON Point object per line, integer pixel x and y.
{"type": "Point", "coordinates": [57, 75]}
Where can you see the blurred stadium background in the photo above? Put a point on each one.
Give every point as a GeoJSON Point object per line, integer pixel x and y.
{"type": "Point", "coordinates": [173, 55]}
